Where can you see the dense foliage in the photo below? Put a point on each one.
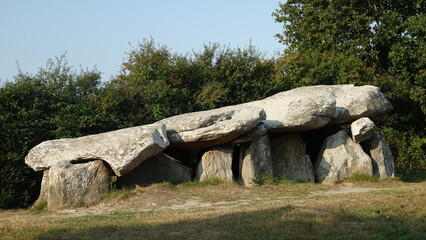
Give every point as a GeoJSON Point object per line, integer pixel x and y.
{"type": "Point", "coordinates": [154, 83]}
{"type": "Point", "coordinates": [55, 103]}
{"type": "Point", "coordinates": [381, 43]}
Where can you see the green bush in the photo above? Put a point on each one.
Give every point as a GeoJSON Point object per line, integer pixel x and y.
{"type": "Point", "coordinates": [55, 103]}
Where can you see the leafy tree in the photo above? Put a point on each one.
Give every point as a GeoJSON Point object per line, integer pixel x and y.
{"type": "Point", "coordinates": [152, 84]}
{"type": "Point", "coordinates": [364, 42]}
{"type": "Point", "coordinates": [155, 83]}
{"type": "Point", "coordinates": [55, 103]}
{"type": "Point", "coordinates": [234, 76]}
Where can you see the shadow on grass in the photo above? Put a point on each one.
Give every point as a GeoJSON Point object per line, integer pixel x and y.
{"type": "Point", "coordinates": [288, 222]}
{"type": "Point", "coordinates": [413, 177]}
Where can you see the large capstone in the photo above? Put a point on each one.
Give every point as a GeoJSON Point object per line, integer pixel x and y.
{"type": "Point", "coordinates": [354, 102]}
{"type": "Point", "coordinates": [299, 109]}
{"type": "Point", "coordinates": [340, 157]}
{"type": "Point", "coordinates": [122, 149]}
{"type": "Point", "coordinates": [255, 161]}
{"type": "Point", "coordinates": [210, 128]}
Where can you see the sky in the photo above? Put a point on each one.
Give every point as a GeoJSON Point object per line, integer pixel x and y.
{"type": "Point", "coordinates": [99, 33]}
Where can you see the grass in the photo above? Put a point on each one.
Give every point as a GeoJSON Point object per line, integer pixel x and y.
{"type": "Point", "coordinates": [269, 179]}
{"type": "Point", "coordinates": [211, 181]}
{"type": "Point", "coordinates": [39, 207]}
{"type": "Point", "coordinates": [360, 177]}
{"type": "Point", "coordinates": [283, 210]}
{"type": "Point", "coordinates": [118, 194]}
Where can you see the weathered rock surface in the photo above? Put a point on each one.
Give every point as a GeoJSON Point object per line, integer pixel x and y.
{"type": "Point", "coordinates": [213, 127]}
{"type": "Point", "coordinates": [289, 158]}
{"type": "Point", "coordinates": [313, 107]}
{"type": "Point", "coordinates": [157, 169]}
{"type": "Point", "coordinates": [341, 157]}
{"type": "Point", "coordinates": [362, 129]}
{"type": "Point", "coordinates": [73, 185]}
{"type": "Point", "coordinates": [383, 162]}
{"type": "Point", "coordinates": [259, 131]}
{"type": "Point", "coordinates": [44, 190]}
{"type": "Point", "coordinates": [354, 102]}
{"type": "Point", "coordinates": [255, 160]}
{"type": "Point", "coordinates": [298, 109]}
{"type": "Point", "coordinates": [123, 149]}
{"type": "Point", "coordinates": [216, 163]}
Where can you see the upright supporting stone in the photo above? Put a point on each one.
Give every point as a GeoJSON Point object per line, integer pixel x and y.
{"type": "Point", "coordinates": [44, 194]}
{"type": "Point", "coordinates": [383, 163]}
{"type": "Point", "coordinates": [74, 185]}
{"type": "Point", "coordinates": [216, 163]}
{"type": "Point", "coordinates": [289, 158]}
{"type": "Point", "coordinates": [255, 160]}
{"type": "Point", "coordinates": [341, 157]}
{"type": "Point", "coordinates": [157, 169]}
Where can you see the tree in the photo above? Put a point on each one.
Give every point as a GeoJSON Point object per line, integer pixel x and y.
{"type": "Point", "coordinates": [55, 103]}
{"type": "Point", "coordinates": [155, 83]}
{"type": "Point", "coordinates": [381, 43]}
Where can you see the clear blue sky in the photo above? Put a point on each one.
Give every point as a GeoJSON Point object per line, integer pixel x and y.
{"type": "Point", "coordinates": [98, 33]}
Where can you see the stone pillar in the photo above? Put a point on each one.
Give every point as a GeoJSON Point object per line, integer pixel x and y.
{"type": "Point", "coordinates": [216, 163]}
{"type": "Point", "coordinates": [289, 158]}
{"type": "Point", "coordinates": [383, 162]}
{"type": "Point", "coordinates": [255, 160]}
{"type": "Point", "coordinates": [341, 157]}
{"type": "Point", "coordinates": [75, 185]}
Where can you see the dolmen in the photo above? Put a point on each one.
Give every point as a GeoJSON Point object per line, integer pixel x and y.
{"type": "Point", "coordinates": [297, 135]}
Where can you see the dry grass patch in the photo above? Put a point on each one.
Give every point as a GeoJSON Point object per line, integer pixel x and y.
{"type": "Point", "coordinates": [394, 210]}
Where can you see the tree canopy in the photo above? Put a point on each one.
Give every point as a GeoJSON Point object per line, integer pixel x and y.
{"type": "Point", "coordinates": [381, 43]}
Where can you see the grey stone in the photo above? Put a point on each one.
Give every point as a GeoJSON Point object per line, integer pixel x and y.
{"type": "Point", "coordinates": [299, 109]}
{"type": "Point", "coordinates": [255, 161]}
{"type": "Point", "coordinates": [157, 169]}
{"type": "Point", "coordinates": [210, 128]}
{"type": "Point", "coordinates": [341, 157]}
{"type": "Point", "coordinates": [43, 197]}
{"type": "Point", "coordinates": [362, 129]}
{"type": "Point", "coordinates": [354, 102]}
{"type": "Point", "coordinates": [289, 158]}
{"type": "Point", "coordinates": [123, 149]}
{"type": "Point", "coordinates": [383, 161]}
{"type": "Point", "coordinates": [313, 107]}
{"type": "Point", "coordinates": [256, 133]}
{"type": "Point", "coordinates": [216, 163]}
{"type": "Point", "coordinates": [74, 185]}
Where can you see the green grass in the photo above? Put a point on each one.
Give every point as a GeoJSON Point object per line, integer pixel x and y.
{"type": "Point", "coordinates": [360, 177]}
{"type": "Point", "coordinates": [269, 179]}
{"type": "Point", "coordinates": [118, 193]}
{"type": "Point", "coordinates": [274, 210]}
{"type": "Point", "coordinates": [414, 176]}
{"type": "Point", "coordinates": [39, 207]}
{"type": "Point", "coordinates": [211, 181]}
{"type": "Point", "coordinates": [286, 222]}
